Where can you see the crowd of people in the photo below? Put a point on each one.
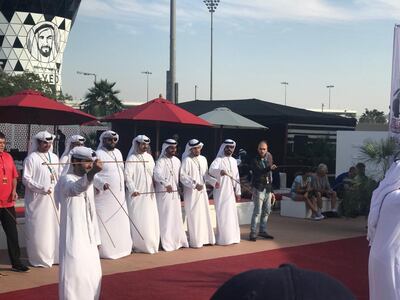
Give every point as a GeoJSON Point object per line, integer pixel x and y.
{"type": "Point", "coordinates": [349, 195]}
{"type": "Point", "coordinates": [91, 204]}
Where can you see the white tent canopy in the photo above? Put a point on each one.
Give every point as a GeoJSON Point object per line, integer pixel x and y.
{"type": "Point", "coordinates": [224, 117]}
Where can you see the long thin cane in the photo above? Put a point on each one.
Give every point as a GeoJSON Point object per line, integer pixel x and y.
{"type": "Point", "coordinates": [159, 192]}
{"type": "Point", "coordinates": [55, 208]}
{"type": "Point", "coordinates": [126, 214]}
{"type": "Point", "coordinates": [247, 189]}
{"type": "Point", "coordinates": [105, 228]}
{"type": "Point", "coordinates": [104, 162]}
{"type": "Point", "coordinates": [238, 182]}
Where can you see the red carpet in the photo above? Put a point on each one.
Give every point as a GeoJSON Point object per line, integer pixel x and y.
{"type": "Point", "coordinates": [346, 260]}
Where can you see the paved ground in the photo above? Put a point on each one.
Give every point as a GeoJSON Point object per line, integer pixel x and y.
{"type": "Point", "coordinates": [287, 231]}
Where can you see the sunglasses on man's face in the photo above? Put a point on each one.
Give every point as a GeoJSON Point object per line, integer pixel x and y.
{"type": "Point", "coordinates": [230, 147]}
{"type": "Point", "coordinates": [112, 139]}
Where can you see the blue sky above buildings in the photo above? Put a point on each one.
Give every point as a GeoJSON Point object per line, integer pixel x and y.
{"type": "Point", "coordinates": [257, 45]}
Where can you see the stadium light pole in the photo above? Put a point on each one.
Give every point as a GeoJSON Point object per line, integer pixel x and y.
{"type": "Point", "coordinates": [195, 92]}
{"type": "Point", "coordinates": [285, 84]}
{"type": "Point", "coordinates": [212, 6]}
{"type": "Point", "coordinates": [329, 98]}
{"type": "Point", "coordinates": [147, 73]}
{"type": "Point", "coordinates": [88, 74]}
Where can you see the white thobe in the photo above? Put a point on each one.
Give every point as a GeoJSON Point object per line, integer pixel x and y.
{"type": "Point", "coordinates": [228, 230]}
{"type": "Point", "coordinates": [80, 269]}
{"type": "Point", "coordinates": [384, 256]}
{"type": "Point", "coordinates": [41, 211]}
{"type": "Point", "coordinates": [166, 172]}
{"type": "Point", "coordinates": [143, 208]}
{"type": "Point", "coordinates": [114, 225]}
{"type": "Point", "coordinates": [197, 208]}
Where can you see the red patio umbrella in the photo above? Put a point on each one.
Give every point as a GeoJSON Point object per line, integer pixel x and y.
{"type": "Point", "coordinates": [31, 107]}
{"type": "Point", "coordinates": [158, 110]}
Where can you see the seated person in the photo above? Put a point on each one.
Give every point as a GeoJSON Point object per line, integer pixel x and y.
{"type": "Point", "coordinates": [344, 181]}
{"type": "Point", "coordinates": [301, 191]}
{"type": "Point", "coordinates": [358, 196]}
{"type": "Point", "coordinates": [360, 177]}
{"type": "Point", "coordinates": [320, 184]}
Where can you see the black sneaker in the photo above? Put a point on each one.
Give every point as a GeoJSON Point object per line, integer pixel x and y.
{"type": "Point", "coordinates": [266, 235]}
{"type": "Point", "coordinates": [253, 237]}
{"type": "Point", "coordinates": [20, 268]}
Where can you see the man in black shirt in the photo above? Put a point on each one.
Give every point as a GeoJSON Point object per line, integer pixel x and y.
{"type": "Point", "coordinates": [261, 166]}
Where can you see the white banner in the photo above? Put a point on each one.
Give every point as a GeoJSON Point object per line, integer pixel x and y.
{"type": "Point", "coordinates": [394, 118]}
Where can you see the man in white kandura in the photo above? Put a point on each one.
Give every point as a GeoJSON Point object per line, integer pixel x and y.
{"type": "Point", "coordinates": [141, 198]}
{"type": "Point", "coordinates": [384, 237]}
{"type": "Point", "coordinates": [224, 169]}
{"type": "Point", "coordinates": [72, 142]}
{"type": "Point", "coordinates": [166, 178]}
{"type": "Point", "coordinates": [110, 201]}
{"type": "Point", "coordinates": [80, 269]}
{"type": "Point", "coordinates": [42, 219]}
{"type": "Point", "coordinates": [194, 176]}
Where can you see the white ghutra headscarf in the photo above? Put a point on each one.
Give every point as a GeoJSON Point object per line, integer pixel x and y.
{"type": "Point", "coordinates": [227, 142]}
{"type": "Point", "coordinates": [166, 144]}
{"type": "Point", "coordinates": [138, 140]}
{"type": "Point", "coordinates": [81, 152]}
{"type": "Point", "coordinates": [73, 139]}
{"type": "Point", "coordinates": [107, 134]}
{"type": "Point", "coordinates": [190, 145]}
{"type": "Point", "coordinates": [44, 136]}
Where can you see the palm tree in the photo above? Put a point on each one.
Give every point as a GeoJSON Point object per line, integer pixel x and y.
{"type": "Point", "coordinates": [373, 116]}
{"type": "Point", "coordinates": [380, 153]}
{"type": "Point", "coordinates": [101, 100]}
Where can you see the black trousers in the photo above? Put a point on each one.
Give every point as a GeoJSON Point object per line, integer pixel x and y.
{"type": "Point", "coordinates": [7, 219]}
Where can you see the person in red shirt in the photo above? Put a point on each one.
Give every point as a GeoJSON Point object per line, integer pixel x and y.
{"type": "Point", "coordinates": [8, 195]}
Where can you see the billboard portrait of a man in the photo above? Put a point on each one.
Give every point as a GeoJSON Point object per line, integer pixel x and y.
{"type": "Point", "coordinates": [43, 42]}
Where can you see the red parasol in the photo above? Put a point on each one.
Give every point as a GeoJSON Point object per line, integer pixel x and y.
{"type": "Point", "coordinates": [31, 107]}
{"type": "Point", "coordinates": [158, 110]}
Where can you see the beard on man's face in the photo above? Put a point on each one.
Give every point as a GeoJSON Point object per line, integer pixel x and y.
{"type": "Point", "coordinates": [109, 146]}
{"type": "Point", "coordinates": [45, 51]}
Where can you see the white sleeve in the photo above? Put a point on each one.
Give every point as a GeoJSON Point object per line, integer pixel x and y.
{"type": "Point", "coordinates": [158, 173]}
{"type": "Point", "coordinates": [98, 182]}
{"type": "Point", "coordinates": [185, 177]}
{"type": "Point", "coordinates": [238, 190]}
{"type": "Point", "coordinates": [215, 168]}
{"type": "Point", "coordinates": [207, 177]}
{"type": "Point", "coordinates": [71, 188]}
{"type": "Point", "coordinates": [129, 174]}
{"type": "Point", "coordinates": [210, 179]}
{"type": "Point", "coordinates": [28, 179]}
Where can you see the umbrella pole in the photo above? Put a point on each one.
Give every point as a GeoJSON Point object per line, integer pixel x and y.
{"type": "Point", "coordinates": [55, 145]}
{"type": "Point", "coordinates": [28, 137]}
{"type": "Point", "coordinates": [215, 139]}
{"type": "Point", "coordinates": [157, 138]}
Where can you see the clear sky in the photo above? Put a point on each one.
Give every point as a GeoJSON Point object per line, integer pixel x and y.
{"type": "Point", "coordinates": [257, 45]}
